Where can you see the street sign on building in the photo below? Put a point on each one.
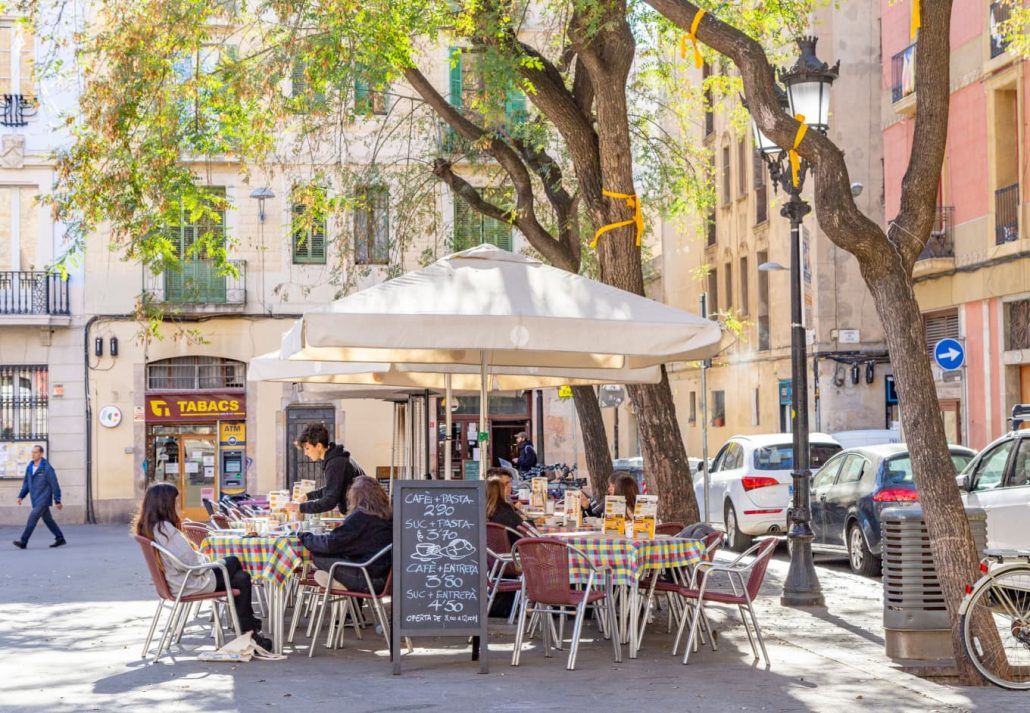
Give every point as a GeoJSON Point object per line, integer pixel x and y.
{"type": "Point", "coordinates": [949, 354]}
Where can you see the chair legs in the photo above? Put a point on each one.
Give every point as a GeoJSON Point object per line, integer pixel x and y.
{"type": "Point", "coordinates": [153, 627]}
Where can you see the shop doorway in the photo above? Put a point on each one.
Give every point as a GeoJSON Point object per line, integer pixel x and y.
{"type": "Point", "coordinates": [298, 465]}
{"type": "Point", "coordinates": [186, 457]}
{"type": "Point", "coordinates": [502, 436]}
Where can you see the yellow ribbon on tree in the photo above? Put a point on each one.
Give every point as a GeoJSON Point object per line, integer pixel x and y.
{"type": "Point", "coordinates": [692, 36]}
{"type": "Point", "coordinates": [795, 159]}
{"type": "Point", "coordinates": [916, 22]}
{"type": "Point", "coordinates": [638, 218]}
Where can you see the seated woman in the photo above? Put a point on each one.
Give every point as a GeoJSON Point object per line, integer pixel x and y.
{"type": "Point", "coordinates": [367, 529]}
{"type": "Point", "coordinates": [498, 509]}
{"type": "Point", "coordinates": [158, 519]}
{"type": "Point", "coordinates": [620, 483]}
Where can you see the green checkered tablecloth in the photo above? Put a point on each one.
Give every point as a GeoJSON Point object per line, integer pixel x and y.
{"type": "Point", "coordinates": [272, 558]}
{"type": "Point", "coordinates": [629, 558]}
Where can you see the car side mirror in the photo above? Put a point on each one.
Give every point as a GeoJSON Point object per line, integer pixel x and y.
{"type": "Point", "coordinates": [962, 481]}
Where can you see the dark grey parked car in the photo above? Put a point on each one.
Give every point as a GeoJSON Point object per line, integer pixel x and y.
{"type": "Point", "coordinates": [851, 490]}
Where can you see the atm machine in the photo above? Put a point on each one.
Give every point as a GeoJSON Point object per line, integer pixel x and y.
{"type": "Point", "coordinates": [232, 456]}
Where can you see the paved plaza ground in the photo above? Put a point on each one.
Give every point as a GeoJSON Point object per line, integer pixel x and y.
{"type": "Point", "coordinates": [72, 621]}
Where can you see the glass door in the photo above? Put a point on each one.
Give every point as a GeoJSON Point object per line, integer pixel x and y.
{"type": "Point", "coordinates": [198, 478]}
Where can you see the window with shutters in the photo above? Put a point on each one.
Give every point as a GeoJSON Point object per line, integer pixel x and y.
{"type": "Point", "coordinates": [724, 182]}
{"type": "Point", "coordinates": [710, 235]}
{"type": "Point", "coordinates": [940, 325]}
{"type": "Point", "coordinates": [372, 226]}
{"type": "Point", "coordinates": [197, 279]}
{"type": "Point", "coordinates": [692, 416]}
{"type": "Point", "coordinates": [706, 72]}
{"type": "Point", "coordinates": [472, 228]}
{"type": "Point", "coordinates": [308, 227]}
{"type": "Point", "coordinates": [742, 156]}
{"type": "Point", "coordinates": [760, 187]}
{"type": "Point", "coordinates": [728, 270]}
{"type": "Point", "coordinates": [763, 302]}
{"type": "Point", "coordinates": [713, 291]}
{"type": "Point", "coordinates": [467, 90]}
{"type": "Point", "coordinates": [745, 292]}
{"type": "Point", "coordinates": [369, 95]}
{"type": "Point", "coordinates": [198, 67]}
{"type": "Point", "coordinates": [17, 76]}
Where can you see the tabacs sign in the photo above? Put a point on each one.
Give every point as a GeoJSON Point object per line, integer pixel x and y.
{"type": "Point", "coordinates": [180, 408]}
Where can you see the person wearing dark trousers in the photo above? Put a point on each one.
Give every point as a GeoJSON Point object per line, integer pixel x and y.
{"type": "Point", "coordinates": [41, 483]}
{"type": "Point", "coordinates": [339, 469]}
{"type": "Point", "coordinates": [526, 458]}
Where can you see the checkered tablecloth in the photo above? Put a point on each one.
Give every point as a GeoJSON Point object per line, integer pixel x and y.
{"type": "Point", "coordinates": [629, 558]}
{"type": "Point", "coordinates": [272, 558]}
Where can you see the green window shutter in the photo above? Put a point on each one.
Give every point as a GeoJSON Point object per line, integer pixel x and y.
{"type": "Point", "coordinates": [515, 108]}
{"type": "Point", "coordinates": [308, 240]}
{"type": "Point", "coordinates": [298, 79]}
{"type": "Point", "coordinates": [467, 230]}
{"type": "Point", "coordinates": [455, 77]}
{"type": "Point", "coordinates": [362, 105]}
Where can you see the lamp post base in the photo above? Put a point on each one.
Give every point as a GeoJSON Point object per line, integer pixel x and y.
{"type": "Point", "coordinates": [801, 588]}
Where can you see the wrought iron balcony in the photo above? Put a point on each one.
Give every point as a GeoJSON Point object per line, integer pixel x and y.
{"type": "Point", "coordinates": [198, 283]}
{"type": "Point", "coordinates": [903, 73]}
{"type": "Point", "coordinates": [941, 242]}
{"type": "Point", "coordinates": [33, 293]}
{"type": "Point", "coordinates": [1006, 214]}
{"type": "Point", "coordinates": [17, 109]}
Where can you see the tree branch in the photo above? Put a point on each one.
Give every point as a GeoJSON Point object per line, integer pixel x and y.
{"type": "Point", "coordinates": [839, 217]}
{"type": "Point", "coordinates": [525, 215]}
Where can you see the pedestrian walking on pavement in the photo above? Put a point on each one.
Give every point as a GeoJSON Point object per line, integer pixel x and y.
{"type": "Point", "coordinates": [41, 483]}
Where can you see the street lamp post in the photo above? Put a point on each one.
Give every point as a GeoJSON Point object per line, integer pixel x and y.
{"type": "Point", "coordinates": [807, 97]}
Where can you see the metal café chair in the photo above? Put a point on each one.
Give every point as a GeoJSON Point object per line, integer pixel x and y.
{"type": "Point", "coordinates": [334, 593]}
{"type": "Point", "coordinates": [745, 578]}
{"type": "Point", "coordinates": [546, 590]}
{"type": "Point", "coordinates": [182, 603]}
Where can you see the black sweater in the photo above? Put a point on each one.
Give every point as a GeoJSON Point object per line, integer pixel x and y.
{"type": "Point", "coordinates": [340, 471]}
{"type": "Point", "coordinates": [356, 539]}
{"type": "Point", "coordinates": [506, 515]}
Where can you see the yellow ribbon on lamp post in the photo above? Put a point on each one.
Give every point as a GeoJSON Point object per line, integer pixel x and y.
{"type": "Point", "coordinates": [795, 159]}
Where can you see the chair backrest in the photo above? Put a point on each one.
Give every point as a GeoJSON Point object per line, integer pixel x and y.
{"type": "Point", "coordinates": [209, 506]}
{"type": "Point", "coordinates": [195, 532]}
{"type": "Point", "coordinates": [156, 575]}
{"type": "Point", "coordinates": [545, 568]}
{"type": "Point", "coordinates": [669, 528]}
{"type": "Point", "coordinates": [713, 541]}
{"type": "Point", "coordinates": [497, 539]}
{"type": "Point", "coordinates": [759, 565]}
{"type": "Point", "coordinates": [220, 521]}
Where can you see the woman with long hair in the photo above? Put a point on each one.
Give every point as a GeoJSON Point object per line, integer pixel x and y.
{"type": "Point", "coordinates": [619, 483]}
{"type": "Point", "coordinates": [498, 509]}
{"type": "Point", "coordinates": [366, 530]}
{"type": "Point", "coordinates": [158, 519]}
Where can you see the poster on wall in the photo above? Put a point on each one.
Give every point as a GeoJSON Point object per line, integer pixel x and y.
{"type": "Point", "coordinates": [14, 457]}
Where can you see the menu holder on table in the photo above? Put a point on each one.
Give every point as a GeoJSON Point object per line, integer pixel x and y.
{"type": "Point", "coordinates": [645, 517]}
{"type": "Point", "coordinates": [301, 488]}
{"type": "Point", "coordinates": [573, 510]}
{"type": "Point", "coordinates": [614, 515]}
{"type": "Point", "coordinates": [277, 499]}
{"type": "Point", "coordinates": [538, 495]}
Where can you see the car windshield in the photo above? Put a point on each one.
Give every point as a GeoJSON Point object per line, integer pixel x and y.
{"type": "Point", "coordinates": [898, 471]}
{"type": "Point", "coordinates": [781, 456]}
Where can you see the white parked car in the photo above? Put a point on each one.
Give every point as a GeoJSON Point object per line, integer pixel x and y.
{"type": "Point", "coordinates": [750, 483]}
{"type": "Point", "coordinates": [998, 480]}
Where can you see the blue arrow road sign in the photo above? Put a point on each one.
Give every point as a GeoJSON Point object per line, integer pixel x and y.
{"type": "Point", "coordinates": [949, 354]}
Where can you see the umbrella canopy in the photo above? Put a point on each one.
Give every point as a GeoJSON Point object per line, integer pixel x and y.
{"type": "Point", "coordinates": [367, 376]}
{"type": "Point", "coordinates": [489, 306]}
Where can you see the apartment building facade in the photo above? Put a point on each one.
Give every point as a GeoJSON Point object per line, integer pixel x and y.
{"type": "Point", "coordinates": [42, 353]}
{"type": "Point", "coordinates": [973, 278]}
{"type": "Point", "coordinates": [749, 384]}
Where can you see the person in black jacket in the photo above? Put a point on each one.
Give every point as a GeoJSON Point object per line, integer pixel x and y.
{"type": "Point", "coordinates": [365, 531]}
{"type": "Point", "coordinates": [526, 453]}
{"type": "Point", "coordinates": [339, 468]}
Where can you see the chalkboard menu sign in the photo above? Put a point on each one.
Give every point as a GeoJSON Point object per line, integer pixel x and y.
{"type": "Point", "coordinates": [439, 561]}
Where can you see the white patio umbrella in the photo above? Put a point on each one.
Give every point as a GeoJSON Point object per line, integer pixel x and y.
{"type": "Point", "coordinates": [392, 381]}
{"type": "Point", "coordinates": [499, 311]}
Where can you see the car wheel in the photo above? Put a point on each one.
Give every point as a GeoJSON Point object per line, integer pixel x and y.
{"type": "Point", "coordinates": [735, 539]}
{"type": "Point", "coordinates": [862, 561]}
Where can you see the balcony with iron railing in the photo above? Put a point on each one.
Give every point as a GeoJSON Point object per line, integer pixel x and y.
{"type": "Point", "coordinates": [903, 79]}
{"type": "Point", "coordinates": [1006, 214]}
{"type": "Point", "coordinates": [17, 109]}
{"type": "Point", "coordinates": [29, 295]}
{"type": "Point", "coordinates": [198, 285]}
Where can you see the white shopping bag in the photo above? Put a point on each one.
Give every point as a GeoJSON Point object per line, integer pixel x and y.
{"type": "Point", "coordinates": [242, 648]}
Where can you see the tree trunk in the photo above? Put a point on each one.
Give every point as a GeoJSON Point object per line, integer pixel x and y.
{"type": "Point", "coordinates": [595, 439]}
{"type": "Point", "coordinates": [951, 539]}
{"type": "Point", "coordinates": [665, 458]}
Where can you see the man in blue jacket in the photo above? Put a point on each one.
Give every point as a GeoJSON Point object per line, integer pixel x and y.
{"type": "Point", "coordinates": [41, 482]}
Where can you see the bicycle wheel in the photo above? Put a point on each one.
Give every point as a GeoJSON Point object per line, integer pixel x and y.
{"type": "Point", "coordinates": [1005, 601]}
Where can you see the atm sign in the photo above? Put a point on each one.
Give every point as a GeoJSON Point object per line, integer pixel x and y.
{"type": "Point", "coordinates": [165, 408]}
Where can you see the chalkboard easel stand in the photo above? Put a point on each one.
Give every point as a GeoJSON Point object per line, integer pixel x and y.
{"type": "Point", "coordinates": [439, 564]}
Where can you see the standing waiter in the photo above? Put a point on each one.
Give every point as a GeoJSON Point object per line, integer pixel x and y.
{"type": "Point", "coordinates": [337, 466]}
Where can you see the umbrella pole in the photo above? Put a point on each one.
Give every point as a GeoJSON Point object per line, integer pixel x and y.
{"type": "Point", "coordinates": [447, 427]}
{"type": "Point", "coordinates": [482, 415]}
